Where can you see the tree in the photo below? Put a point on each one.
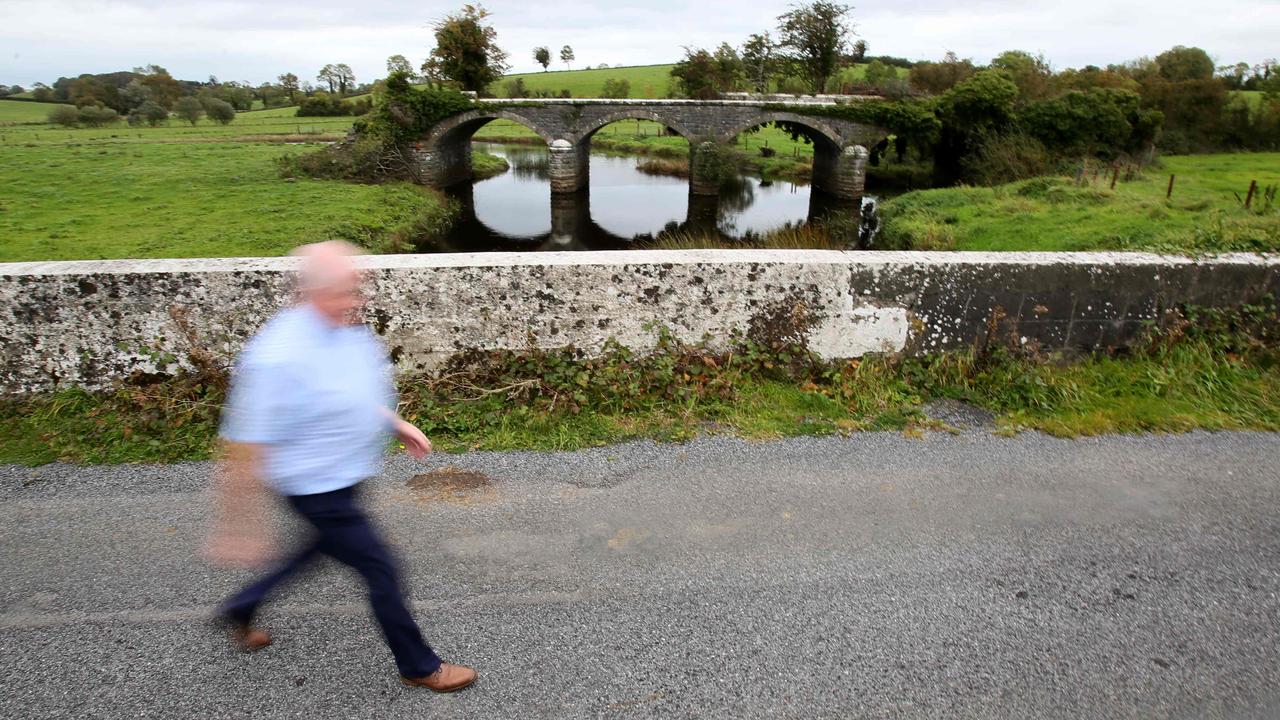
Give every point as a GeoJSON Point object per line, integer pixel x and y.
{"type": "Point", "coordinates": [878, 74]}
{"type": "Point", "coordinates": [697, 74]}
{"type": "Point", "coordinates": [1184, 63]}
{"type": "Point", "coordinates": [165, 91]}
{"type": "Point", "coordinates": [189, 109]}
{"type": "Point", "coordinates": [149, 113]}
{"type": "Point", "coordinates": [813, 37]}
{"type": "Point", "coordinates": [972, 113]}
{"type": "Point", "coordinates": [289, 82]}
{"type": "Point", "coordinates": [399, 63]}
{"type": "Point", "coordinates": [42, 92]}
{"type": "Point", "coordinates": [759, 61]}
{"type": "Point", "coordinates": [466, 50]}
{"type": "Point", "coordinates": [859, 53]}
{"type": "Point", "coordinates": [329, 76]}
{"type": "Point", "coordinates": [729, 68]}
{"type": "Point", "coordinates": [566, 55]}
{"type": "Point", "coordinates": [64, 115]}
{"type": "Point", "coordinates": [220, 111]}
{"type": "Point", "coordinates": [542, 56]}
{"type": "Point", "coordinates": [346, 77]}
{"type": "Point", "coordinates": [939, 77]}
{"type": "Point", "coordinates": [135, 93]}
{"type": "Point", "coordinates": [1031, 73]}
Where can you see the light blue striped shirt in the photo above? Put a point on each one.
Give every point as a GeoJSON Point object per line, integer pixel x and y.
{"type": "Point", "coordinates": [312, 394]}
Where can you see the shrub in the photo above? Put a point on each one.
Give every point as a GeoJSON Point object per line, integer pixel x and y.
{"type": "Point", "coordinates": [515, 88]}
{"type": "Point", "coordinates": [323, 105]}
{"type": "Point", "coordinates": [1001, 158]}
{"type": "Point", "coordinates": [98, 116]}
{"type": "Point", "coordinates": [189, 109]}
{"type": "Point", "coordinates": [64, 115]}
{"type": "Point", "coordinates": [220, 111]}
{"type": "Point", "coordinates": [616, 88]}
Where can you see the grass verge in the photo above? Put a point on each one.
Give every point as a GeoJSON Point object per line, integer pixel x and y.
{"type": "Point", "coordinates": [1205, 369]}
{"type": "Point", "coordinates": [1204, 214]}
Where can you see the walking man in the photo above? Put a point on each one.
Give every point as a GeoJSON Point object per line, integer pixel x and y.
{"type": "Point", "coordinates": [311, 404]}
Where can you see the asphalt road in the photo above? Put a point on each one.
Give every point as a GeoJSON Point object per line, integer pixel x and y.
{"type": "Point", "coordinates": [877, 576]}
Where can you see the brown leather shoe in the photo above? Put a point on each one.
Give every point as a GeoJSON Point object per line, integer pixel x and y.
{"type": "Point", "coordinates": [248, 638]}
{"type": "Point", "coordinates": [448, 678]}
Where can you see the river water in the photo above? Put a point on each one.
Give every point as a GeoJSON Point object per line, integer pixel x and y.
{"type": "Point", "coordinates": [621, 207]}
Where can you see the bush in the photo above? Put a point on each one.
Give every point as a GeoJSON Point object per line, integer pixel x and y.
{"type": "Point", "coordinates": [98, 116]}
{"type": "Point", "coordinates": [1001, 158]}
{"type": "Point", "coordinates": [189, 109]}
{"type": "Point", "coordinates": [515, 88]}
{"type": "Point", "coordinates": [148, 113]}
{"type": "Point", "coordinates": [220, 111]}
{"type": "Point", "coordinates": [64, 115]}
{"type": "Point", "coordinates": [616, 88]}
{"type": "Point", "coordinates": [323, 105]}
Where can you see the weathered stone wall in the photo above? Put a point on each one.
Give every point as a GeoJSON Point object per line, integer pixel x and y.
{"type": "Point", "coordinates": [87, 323]}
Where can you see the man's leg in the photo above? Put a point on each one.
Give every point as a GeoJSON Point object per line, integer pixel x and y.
{"type": "Point", "coordinates": [346, 535]}
{"type": "Point", "coordinates": [241, 606]}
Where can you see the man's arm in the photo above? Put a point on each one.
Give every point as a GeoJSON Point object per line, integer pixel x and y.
{"type": "Point", "coordinates": [241, 534]}
{"type": "Point", "coordinates": [415, 442]}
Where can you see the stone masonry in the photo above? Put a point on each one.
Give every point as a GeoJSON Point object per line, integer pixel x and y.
{"type": "Point", "coordinates": [840, 146]}
{"type": "Point", "coordinates": [92, 322]}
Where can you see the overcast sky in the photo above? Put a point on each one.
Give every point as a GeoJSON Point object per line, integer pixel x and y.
{"type": "Point", "coordinates": [256, 41]}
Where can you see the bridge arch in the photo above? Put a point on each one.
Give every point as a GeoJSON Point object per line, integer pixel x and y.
{"type": "Point", "coordinates": [816, 128]}
{"type": "Point", "coordinates": [590, 128]}
{"type": "Point", "coordinates": [444, 152]}
{"type": "Point", "coordinates": [464, 125]}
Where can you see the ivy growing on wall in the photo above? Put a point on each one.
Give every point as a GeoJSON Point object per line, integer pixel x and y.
{"type": "Point", "coordinates": [402, 113]}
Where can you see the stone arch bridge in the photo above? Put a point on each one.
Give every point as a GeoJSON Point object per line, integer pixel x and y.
{"type": "Point", "coordinates": [839, 156]}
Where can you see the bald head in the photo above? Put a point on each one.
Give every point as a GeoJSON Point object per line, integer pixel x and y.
{"type": "Point", "coordinates": [329, 280]}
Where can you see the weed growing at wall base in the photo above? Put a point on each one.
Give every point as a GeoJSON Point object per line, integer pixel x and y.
{"type": "Point", "coordinates": [1201, 369]}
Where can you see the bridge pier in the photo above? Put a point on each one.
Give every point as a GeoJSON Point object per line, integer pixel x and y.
{"type": "Point", "coordinates": [705, 168]}
{"type": "Point", "coordinates": [568, 166]}
{"type": "Point", "coordinates": [841, 174]}
{"type": "Point", "coordinates": [570, 218]}
{"type": "Point", "coordinates": [444, 163]}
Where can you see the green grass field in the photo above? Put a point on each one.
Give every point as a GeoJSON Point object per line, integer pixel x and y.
{"type": "Point", "coordinates": [14, 112]}
{"type": "Point", "coordinates": [647, 81]}
{"type": "Point", "coordinates": [128, 200]}
{"type": "Point", "coordinates": [1203, 214]}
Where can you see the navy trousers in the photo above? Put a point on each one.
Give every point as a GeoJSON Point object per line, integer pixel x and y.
{"type": "Point", "coordinates": [344, 533]}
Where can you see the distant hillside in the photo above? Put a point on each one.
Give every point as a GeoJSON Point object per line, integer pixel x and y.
{"type": "Point", "coordinates": [646, 81]}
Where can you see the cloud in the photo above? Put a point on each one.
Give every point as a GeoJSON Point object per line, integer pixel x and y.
{"type": "Point", "coordinates": [256, 41]}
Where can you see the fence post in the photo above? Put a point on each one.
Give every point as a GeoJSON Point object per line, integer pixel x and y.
{"type": "Point", "coordinates": [1248, 199]}
{"type": "Point", "coordinates": [1168, 194]}
{"type": "Point", "coordinates": [1115, 175]}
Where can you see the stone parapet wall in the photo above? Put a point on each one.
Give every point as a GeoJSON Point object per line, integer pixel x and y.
{"type": "Point", "coordinates": [90, 323]}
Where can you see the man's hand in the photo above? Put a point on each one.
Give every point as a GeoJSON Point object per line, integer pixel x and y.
{"type": "Point", "coordinates": [241, 534]}
{"type": "Point", "coordinates": [415, 443]}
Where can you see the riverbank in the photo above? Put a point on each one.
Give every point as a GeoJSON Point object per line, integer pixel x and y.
{"type": "Point", "coordinates": [1204, 213]}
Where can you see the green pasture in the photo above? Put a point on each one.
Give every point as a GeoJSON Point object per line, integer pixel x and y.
{"type": "Point", "coordinates": [111, 199]}
{"type": "Point", "coordinates": [14, 112]}
{"type": "Point", "coordinates": [1205, 212]}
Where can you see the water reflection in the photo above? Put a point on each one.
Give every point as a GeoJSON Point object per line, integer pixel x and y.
{"type": "Point", "coordinates": [623, 207]}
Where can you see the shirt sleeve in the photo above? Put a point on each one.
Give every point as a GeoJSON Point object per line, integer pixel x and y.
{"type": "Point", "coordinates": [386, 384]}
{"type": "Point", "coordinates": [255, 406]}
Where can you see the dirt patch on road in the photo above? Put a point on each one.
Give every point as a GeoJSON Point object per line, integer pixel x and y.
{"type": "Point", "coordinates": [452, 485]}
